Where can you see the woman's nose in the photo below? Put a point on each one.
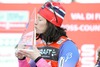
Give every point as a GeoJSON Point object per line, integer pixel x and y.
{"type": "Point", "coordinates": [36, 22]}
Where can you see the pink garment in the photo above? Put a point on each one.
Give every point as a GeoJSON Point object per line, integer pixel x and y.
{"type": "Point", "coordinates": [41, 63]}
{"type": "Point", "coordinates": [23, 63]}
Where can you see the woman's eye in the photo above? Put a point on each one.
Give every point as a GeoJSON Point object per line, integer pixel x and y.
{"type": "Point", "coordinates": [40, 20]}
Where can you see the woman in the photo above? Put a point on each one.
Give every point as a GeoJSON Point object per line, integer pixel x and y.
{"type": "Point", "coordinates": [98, 60]}
{"type": "Point", "coordinates": [56, 50]}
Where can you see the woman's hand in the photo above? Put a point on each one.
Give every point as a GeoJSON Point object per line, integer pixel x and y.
{"type": "Point", "coordinates": [19, 55]}
{"type": "Point", "coordinates": [31, 53]}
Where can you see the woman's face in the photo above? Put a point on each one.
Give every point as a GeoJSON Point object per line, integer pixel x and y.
{"type": "Point", "coordinates": [41, 24]}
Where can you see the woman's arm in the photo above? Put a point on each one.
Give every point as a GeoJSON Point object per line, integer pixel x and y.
{"type": "Point", "coordinates": [23, 63]}
{"type": "Point", "coordinates": [69, 55]}
{"type": "Point", "coordinates": [42, 63]}
{"type": "Point", "coordinates": [39, 63]}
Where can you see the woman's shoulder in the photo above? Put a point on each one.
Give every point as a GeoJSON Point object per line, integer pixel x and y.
{"type": "Point", "coordinates": [69, 47]}
{"type": "Point", "coordinates": [69, 44]}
